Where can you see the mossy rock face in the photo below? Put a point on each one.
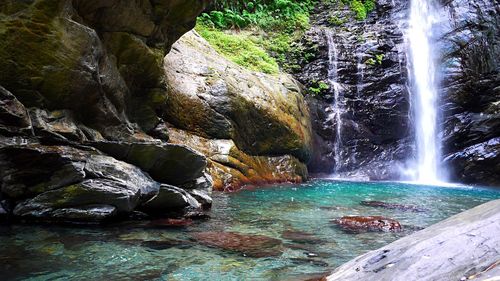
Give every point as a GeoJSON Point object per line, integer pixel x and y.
{"type": "Point", "coordinates": [94, 57]}
{"type": "Point", "coordinates": [52, 62]}
{"type": "Point", "coordinates": [264, 115]}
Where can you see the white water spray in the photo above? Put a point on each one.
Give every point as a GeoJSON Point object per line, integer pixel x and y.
{"type": "Point", "coordinates": [423, 16]}
{"type": "Point", "coordinates": [337, 107]}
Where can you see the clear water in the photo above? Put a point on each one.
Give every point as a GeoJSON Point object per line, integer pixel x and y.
{"type": "Point", "coordinates": [115, 252]}
{"type": "Point", "coordinates": [423, 16]}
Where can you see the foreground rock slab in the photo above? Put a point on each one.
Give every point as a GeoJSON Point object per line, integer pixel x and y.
{"type": "Point", "coordinates": [463, 247]}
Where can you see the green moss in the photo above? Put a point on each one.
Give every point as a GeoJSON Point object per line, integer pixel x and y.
{"type": "Point", "coordinates": [140, 66]}
{"type": "Point", "coordinates": [318, 87]}
{"type": "Point", "coordinates": [35, 63]}
{"type": "Point", "coordinates": [239, 48]}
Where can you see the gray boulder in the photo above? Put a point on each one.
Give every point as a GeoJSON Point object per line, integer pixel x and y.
{"type": "Point", "coordinates": [170, 198]}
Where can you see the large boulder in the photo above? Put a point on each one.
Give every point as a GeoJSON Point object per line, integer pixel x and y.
{"type": "Point", "coordinates": [217, 99]}
{"type": "Point", "coordinates": [166, 163]}
{"type": "Point", "coordinates": [463, 247]}
{"type": "Point", "coordinates": [170, 198]}
{"type": "Point", "coordinates": [61, 182]}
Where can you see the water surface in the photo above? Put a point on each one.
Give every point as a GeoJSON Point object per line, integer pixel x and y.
{"type": "Point", "coordinates": [117, 252]}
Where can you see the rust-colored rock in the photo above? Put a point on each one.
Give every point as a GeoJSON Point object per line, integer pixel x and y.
{"type": "Point", "coordinates": [370, 223]}
{"type": "Point", "coordinates": [256, 246]}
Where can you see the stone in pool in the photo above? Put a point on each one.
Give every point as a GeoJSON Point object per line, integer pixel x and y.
{"type": "Point", "coordinates": [256, 246]}
{"type": "Point", "coordinates": [393, 206]}
{"type": "Point", "coordinates": [171, 222]}
{"type": "Point", "coordinates": [301, 237]}
{"type": "Point", "coordinates": [369, 223]}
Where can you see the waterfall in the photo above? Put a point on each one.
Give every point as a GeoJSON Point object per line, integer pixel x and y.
{"type": "Point", "coordinates": [337, 108]}
{"type": "Point", "coordinates": [423, 16]}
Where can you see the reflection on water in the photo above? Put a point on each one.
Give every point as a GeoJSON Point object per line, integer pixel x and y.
{"type": "Point", "coordinates": [298, 215]}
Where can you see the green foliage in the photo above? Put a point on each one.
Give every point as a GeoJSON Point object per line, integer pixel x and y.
{"type": "Point", "coordinates": [318, 88]}
{"type": "Point", "coordinates": [334, 20]}
{"type": "Point", "coordinates": [283, 15]}
{"type": "Point", "coordinates": [361, 8]}
{"type": "Point", "coordinates": [239, 48]}
{"type": "Point", "coordinates": [273, 26]}
{"type": "Point", "coordinates": [375, 60]}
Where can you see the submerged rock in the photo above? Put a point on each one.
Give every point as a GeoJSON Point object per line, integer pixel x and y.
{"type": "Point", "coordinates": [301, 237]}
{"type": "Point", "coordinates": [256, 246]}
{"type": "Point", "coordinates": [463, 247]}
{"type": "Point", "coordinates": [163, 244]}
{"type": "Point", "coordinates": [371, 223]}
{"type": "Point", "coordinates": [171, 223]}
{"type": "Point", "coordinates": [393, 206]}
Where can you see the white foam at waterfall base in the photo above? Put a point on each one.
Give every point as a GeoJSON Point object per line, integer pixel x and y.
{"type": "Point", "coordinates": [424, 15]}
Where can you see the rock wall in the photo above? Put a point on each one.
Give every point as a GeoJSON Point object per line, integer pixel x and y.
{"type": "Point", "coordinates": [376, 132]}
{"type": "Point", "coordinates": [81, 90]}
{"type": "Point", "coordinates": [88, 105]}
{"type": "Point", "coordinates": [471, 91]}
{"type": "Point", "coordinates": [377, 140]}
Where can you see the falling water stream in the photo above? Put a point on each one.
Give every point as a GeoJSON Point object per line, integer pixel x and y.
{"type": "Point", "coordinates": [337, 106]}
{"type": "Point", "coordinates": [423, 16]}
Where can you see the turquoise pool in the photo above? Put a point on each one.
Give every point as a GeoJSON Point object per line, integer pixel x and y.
{"type": "Point", "coordinates": [298, 215]}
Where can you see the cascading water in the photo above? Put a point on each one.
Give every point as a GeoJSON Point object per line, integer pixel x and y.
{"type": "Point", "coordinates": [423, 16]}
{"type": "Point", "coordinates": [337, 107]}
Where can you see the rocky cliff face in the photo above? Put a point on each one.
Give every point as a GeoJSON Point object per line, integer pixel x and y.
{"type": "Point", "coordinates": [472, 91]}
{"type": "Point", "coordinates": [88, 105]}
{"type": "Point", "coordinates": [81, 89]}
{"type": "Point", "coordinates": [374, 136]}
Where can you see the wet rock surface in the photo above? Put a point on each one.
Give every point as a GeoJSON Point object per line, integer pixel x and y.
{"type": "Point", "coordinates": [166, 163]}
{"type": "Point", "coordinates": [83, 74]}
{"type": "Point", "coordinates": [170, 198]}
{"type": "Point", "coordinates": [249, 245]}
{"type": "Point", "coordinates": [471, 121]}
{"type": "Point", "coordinates": [231, 169]}
{"type": "Point", "coordinates": [66, 183]}
{"type": "Point", "coordinates": [357, 224]}
{"type": "Point", "coordinates": [463, 247]}
{"type": "Point", "coordinates": [375, 134]}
